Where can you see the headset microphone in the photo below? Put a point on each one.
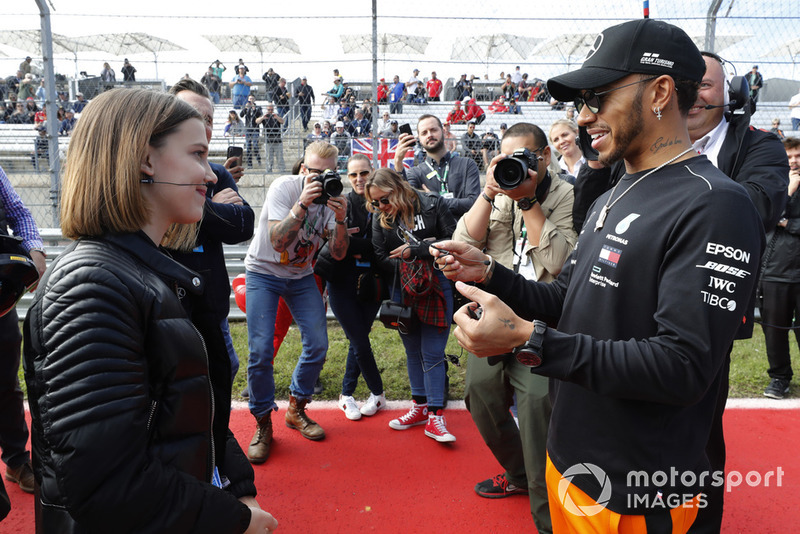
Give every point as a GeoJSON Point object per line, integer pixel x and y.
{"type": "Point", "coordinates": [151, 181]}
{"type": "Point", "coordinates": [732, 103]}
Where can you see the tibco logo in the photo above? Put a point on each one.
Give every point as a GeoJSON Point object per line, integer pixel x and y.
{"type": "Point", "coordinates": [584, 469]}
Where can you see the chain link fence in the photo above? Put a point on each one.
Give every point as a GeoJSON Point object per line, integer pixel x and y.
{"type": "Point", "coordinates": [343, 52]}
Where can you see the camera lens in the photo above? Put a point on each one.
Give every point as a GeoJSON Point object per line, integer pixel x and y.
{"type": "Point", "coordinates": [510, 172]}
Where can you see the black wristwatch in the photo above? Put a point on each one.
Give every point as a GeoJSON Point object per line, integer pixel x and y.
{"type": "Point", "coordinates": [530, 353]}
{"type": "Point", "coordinates": [526, 203]}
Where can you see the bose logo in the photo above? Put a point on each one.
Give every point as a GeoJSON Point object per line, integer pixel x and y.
{"type": "Point", "coordinates": [725, 269]}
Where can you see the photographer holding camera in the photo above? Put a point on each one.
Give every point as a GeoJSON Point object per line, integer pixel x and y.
{"type": "Point", "coordinates": [524, 220]}
{"type": "Point", "coordinates": [299, 213]}
{"type": "Point", "coordinates": [272, 122]}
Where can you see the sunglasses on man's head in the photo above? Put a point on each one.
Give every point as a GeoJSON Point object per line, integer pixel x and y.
{"type": "Point", "coordinates": [376, 203]}
{"type": "Point", "coordinates": [361, 174]}
{"type": "Point", "coordinates": [591, 99]}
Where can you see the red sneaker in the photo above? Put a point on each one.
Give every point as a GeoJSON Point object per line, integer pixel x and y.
{"type": "Point", "coordinates": [436, 428]}
{"type": "Point", "coordinates": [417, 415]}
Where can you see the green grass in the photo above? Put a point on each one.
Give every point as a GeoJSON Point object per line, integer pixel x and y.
{"type": "Point", "coordinates": [748, 376]}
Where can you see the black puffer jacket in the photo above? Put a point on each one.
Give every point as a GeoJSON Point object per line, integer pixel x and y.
{"type": "Point", "coordinates": [120, 397]}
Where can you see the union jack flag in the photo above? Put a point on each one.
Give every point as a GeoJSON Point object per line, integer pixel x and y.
{"type": "Point", "coordinates": [386, 151]}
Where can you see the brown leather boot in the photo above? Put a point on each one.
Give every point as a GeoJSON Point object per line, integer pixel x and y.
{"type": "Point", "coordinates": [258, 451]}
{"type": "Point", "coordinates": [296, 418]}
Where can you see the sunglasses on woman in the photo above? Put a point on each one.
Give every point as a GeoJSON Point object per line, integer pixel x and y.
{"type": "Point", "coordinates": [591, 99]}
{"type": "Point", "coordinates": [362, 174]}
{"type": "Point", "coordinates": [376, 203]}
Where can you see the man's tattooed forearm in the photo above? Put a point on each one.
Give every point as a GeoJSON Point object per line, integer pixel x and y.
{"type": "Point", "coordinates": [283, 234]}
{"type": "Point", "coordinates": [508, 323]}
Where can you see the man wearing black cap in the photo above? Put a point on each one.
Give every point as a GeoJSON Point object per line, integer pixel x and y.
{"type": "Point", "coordinates": [646, 306]}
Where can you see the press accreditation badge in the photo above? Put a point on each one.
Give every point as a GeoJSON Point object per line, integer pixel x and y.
{"type": "Point", "coordinates": [447, 195]}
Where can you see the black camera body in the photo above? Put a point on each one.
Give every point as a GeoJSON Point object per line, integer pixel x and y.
{"type": "Point", "coordinates": [331, 186]}
{"type": "Point", "coordinates": [510, 172]}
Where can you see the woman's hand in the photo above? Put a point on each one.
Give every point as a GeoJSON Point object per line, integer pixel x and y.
{"type": "Point", "coordinates": [261, 522]}
{"type": "Point", "coordinates": [470, 266]}
{"type": "Point", "coordinates": [400, 252]}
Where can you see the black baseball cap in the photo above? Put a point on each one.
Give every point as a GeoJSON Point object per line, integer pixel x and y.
{"type": "Point", "coordinates": [645, 46]}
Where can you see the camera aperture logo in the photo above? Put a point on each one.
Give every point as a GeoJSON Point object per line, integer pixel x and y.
{"type": "Point", "coordinates": [566, 480]}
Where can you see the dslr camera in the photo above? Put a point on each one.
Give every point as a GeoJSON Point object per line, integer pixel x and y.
{"type": "Point", "coordinates": [331, 186]}
{"type": "Point", "coordinates": [513, 170]}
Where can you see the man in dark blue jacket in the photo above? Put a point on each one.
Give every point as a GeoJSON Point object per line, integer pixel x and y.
{"type": "Point", "coordinates": [227, 219]}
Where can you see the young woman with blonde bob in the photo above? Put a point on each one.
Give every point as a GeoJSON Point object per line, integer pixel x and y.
{"type": "Point", "coordinates": [117, 375]}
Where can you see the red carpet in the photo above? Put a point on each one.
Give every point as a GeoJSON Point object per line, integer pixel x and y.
{"type": "Point", "coordinates": [365, 477]}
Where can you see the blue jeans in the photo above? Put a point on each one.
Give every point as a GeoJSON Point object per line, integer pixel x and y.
{"type": "Point", "coordinates": [425, 346]}
{"type": "Point", "coordinates": [356, 318]}
{"type": "Point", "coordinates": [795, 124]}
{"type": "Point", "coordinates": [239, 100]}
{"type": "Point", "coordinates": [226, 333]}
{"type": "Point", "coordinates": [251, 145]}
{"type": "Point", "coordinates": [214, 97]}
{"type": "Point", "coordinates": [304, 301]}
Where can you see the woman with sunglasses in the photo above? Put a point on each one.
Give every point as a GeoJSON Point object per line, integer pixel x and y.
{"type": "Point", "coordinates": [354, 305]}
{"type": "Point", "coordinates": [404, 222]}
{"type": "Point", "coordinates": [117, 375]}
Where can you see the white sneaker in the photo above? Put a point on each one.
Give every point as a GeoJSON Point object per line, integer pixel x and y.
{"type": "Point", "coordinates": [373, 404]}
{"type": "Point", "coordinates": [349, 407]}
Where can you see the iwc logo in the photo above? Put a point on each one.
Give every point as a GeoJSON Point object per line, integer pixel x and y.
{"type": "Point", "coordinates": [584, 469]}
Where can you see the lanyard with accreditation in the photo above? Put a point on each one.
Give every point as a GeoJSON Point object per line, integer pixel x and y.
{"type": "Point", "coordinates": [442, 180]}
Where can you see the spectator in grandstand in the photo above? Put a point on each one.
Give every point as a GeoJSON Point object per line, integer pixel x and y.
{"type": "Point", "coordinates": [326, 129]}
{"type": "Point", "coordinates": [218, 68]}
{"type": "Point", "coordinates": [403, 219]}
{"type": "Point", "coordinates": [564, 138]}
{"type": "Point", "coordinates": [62, 100]}
{"type": "Point", "coordinates": [68, 124]}
{"type": "Point", "coordinates": [454, 178]}
{"type": "Point", "coordinates": [338, 89]}
{"type": "Point", "coordinates": [25, 66]}
{"type": "Point", "coordinates": [794, 107]}
{"type": "Point", "coordinates": [472, 111]}
{"type": "Point", "coordinates": [271, 79]}
{"type": "Point", "coordinates": [463, 88]}
{"type": "Point", "coordinates": [366, 108]}
{"type": "Point", "coordinates": [4, 114]}
{"type": "Point", "coordinates": [383, 91]}
{"type": "Point", "coordinates": [213, 83]}
{"type": "Point", "coordinates": [128, 72]}
{"type": "Point", "coordinates": [569, 113]}
{"type": "Point", "coordinates": [251, 114]}
{"type": "Point", "coordinates": [79, 103]}
{"type": "Point", "coordinates": [31, 108]}
{"type": "Point", "coordinates": [107, 75]}
{"type": "Point", "coordinates": [412, 84]}
{"type": "Point", "coordinates": [360, 127]}
{"type": "Point", "coordinates": [391, 132]}
{"type": "Point", "coordinates": [341, 138]}
{"type": "Point", "coordinates": [385, 123]}
{"type": "Point", "coordinates": [346, 111]}
{"type": "Point", "coordinates": [450, 141]}
{"type": "Point", "coordinates": [499, 105]}
{"type": "Point", "coordinates": [434, 88]}
{"type": "Point", "coordinates": [19, 115]}
{"type": "Point", "coordinates": [503, 128]}
{"type": "Point", "coordinates": [315, 135]}
{"type": "Point", "coordinates": [272, 123]}
{"type": "Point", "coordinates": [234, 127]}
{"type": "Point", "coordinates": [41, 93]}
{"type": "Point", "coordinates": [756, 82]}
{"type": "Point", "coordinates": [305, 99]}
{"type": "Point", "coordinates": [281, 101]}
{"type": "Point", "coordinates": [41, 149]}
{"type": "Point", "coordinates": [456, 115]}
{"type": "Point", "coordinates": [337, 75]}
{"type": "Point", "coordinates": [241, 65]}
{"type": "Point", "coordinates": [240, 87]}
{"type": "Point", "coordinates": [397, 95]}
{"type": "Point", "coordinates": [27, 87]}
{"type": "Point", "coordinates": [490, 148]}
{"type": "Point", "coordinates": [472, 144]}
{"type": "Point", "coordinates": [513, 107]}
{"type": "Point", "coordinates": [516, 76]}
{"type": "Point", "coordinates": [523, 88]}
{"type": "Point", "coordinates": [776, 128]}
